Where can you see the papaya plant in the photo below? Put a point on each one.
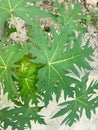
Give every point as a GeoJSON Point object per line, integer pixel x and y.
{"type": "Point", "coordinates": [32, 71]}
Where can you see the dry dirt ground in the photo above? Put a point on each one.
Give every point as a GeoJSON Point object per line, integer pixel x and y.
{"type": "Point", "coordinates": [54, 124]}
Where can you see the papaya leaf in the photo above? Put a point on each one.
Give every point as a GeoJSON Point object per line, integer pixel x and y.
{"type": "Point", "coordinates": [6, 67]}
{"type": "Point", "coordinates": [19, 117]}
{"type": "Point", "coordinates": [52, 77]}
{"type": "Point", "coordinates": [69, 15]}
{"type": "Point", "coordinates": [83, 100]}
{"type": "Point", "coordinates": [27, 79]}
{"type": "Point", "coordinates": [19, 8]}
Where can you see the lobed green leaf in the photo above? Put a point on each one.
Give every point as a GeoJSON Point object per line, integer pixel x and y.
{"type": "Point", "coordinates": [83, 100]}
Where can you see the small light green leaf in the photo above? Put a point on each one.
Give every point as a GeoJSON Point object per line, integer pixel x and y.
{"type": "Point", "coordinates": [27, 79]}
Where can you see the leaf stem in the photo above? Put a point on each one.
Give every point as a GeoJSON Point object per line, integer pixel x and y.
{"type": "Point", "coordinates": [15, 23]}
{"type": "Point", "coordinates": [10, 5]}
{"type": "Point", "coordinates": [81, 101]}
{"type": "Point", "coordinates": [18, 4]}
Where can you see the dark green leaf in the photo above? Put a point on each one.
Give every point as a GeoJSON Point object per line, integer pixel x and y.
{"type": "Point", "coordinates": [8, 57]}
{"type": "Point", "coordinates": [52, 77]}
{"type": "Point", "coordinates": [83, 99]}
{"type": "Point", "coordinates": [69, 16]}
{"type": "Point", "coordinates": [19, 117]}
